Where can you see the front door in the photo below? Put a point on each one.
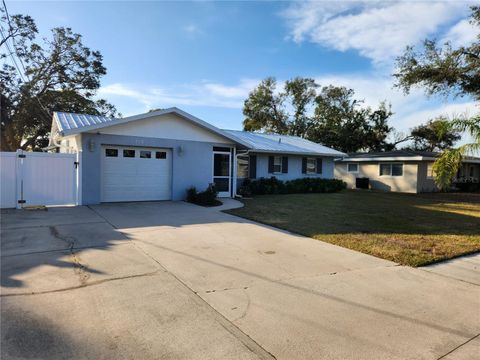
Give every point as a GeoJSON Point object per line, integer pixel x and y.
{"type": "Point", "coordinates": [222, 172]}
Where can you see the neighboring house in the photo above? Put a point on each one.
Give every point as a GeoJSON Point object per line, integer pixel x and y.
{"type": "Point", "coordinates": [402, 170]}
{"type": "Point", "coordinates": [158, 155]}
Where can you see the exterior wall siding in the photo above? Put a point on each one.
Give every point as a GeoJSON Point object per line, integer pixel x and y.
{"type": "Point", "coordinates": [424, 183]}
{"type": "Point", "coordinates": [406, 183]}
{"type": "Point", "coordinates": [193, 167]}
{"type": "Point", "coordinates": [294, 168]}
{"type": "Point", "coordinates": [167, 126]}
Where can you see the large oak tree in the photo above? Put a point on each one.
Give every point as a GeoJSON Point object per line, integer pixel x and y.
{"type": "Point", "coordinates": [329, 115]}
{"type": "Point", "coordinates": [447, 71]}
{"type": "Point", "coordinates": [39, 77]}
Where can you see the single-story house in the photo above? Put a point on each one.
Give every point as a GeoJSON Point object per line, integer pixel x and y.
{"type": "Point", "coordinates": [158, 155]}
{"type": "Point", "coordinates": [401, 170]}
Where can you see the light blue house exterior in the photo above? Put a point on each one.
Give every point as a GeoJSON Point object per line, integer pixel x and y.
{"type": "Point", "coordinates": [159, 155]}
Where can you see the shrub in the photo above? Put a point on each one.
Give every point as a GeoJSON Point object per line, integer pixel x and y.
{"type": "Point", "coordinates": [204, 198]}
{"type": "Point", "coordinates": [272, 185]}
{"type": "Point", "coordinates": [468, 186]}
{"type": "Point", "coordinates": [192, 194]}
{"type": "Point", "coordinates": [245, 189]}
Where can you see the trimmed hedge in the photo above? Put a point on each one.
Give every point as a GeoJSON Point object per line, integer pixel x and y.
{"type": "Point", "coordinates": [272, 185]}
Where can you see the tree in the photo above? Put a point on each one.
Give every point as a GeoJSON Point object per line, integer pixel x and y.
{"type": "Point", "coordinates": [330, 116]}
{"type": "Point", "coordinates": [266, 110]}
{"type": "Point", "coordinates": [447, 71]}
{"type": "Point", "coordinates": [60, 75]}
{"type": "Point", "coordinates": [341, 122]}
{"type": "Point", "coordinates": [442, 70]}
{"type": "Point", "coordinates": [435, 135]}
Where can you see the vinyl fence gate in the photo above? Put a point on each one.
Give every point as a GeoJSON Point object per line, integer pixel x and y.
{"type": "Point", "coordinates": [37, 178]}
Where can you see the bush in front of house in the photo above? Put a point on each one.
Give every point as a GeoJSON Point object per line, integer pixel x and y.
{"type": "Point", "coordinates": [203, 198]}
{"type": "Point", "coordinates": [264, 186]}
{"type": "Point", "coordinates": [468, 186]}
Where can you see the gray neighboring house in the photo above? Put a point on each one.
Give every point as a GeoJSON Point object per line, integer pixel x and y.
{"type": "Point", "coordinates": [400, 170]}
{"type": "Point", "coordinates": [158, 155]}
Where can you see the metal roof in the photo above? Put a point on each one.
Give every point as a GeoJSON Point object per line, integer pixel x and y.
{"type": "Point", "coordinates": [285, 144]}
{"type": "Point", "coordinates": [70, 121]}
{"type": "Point", "coordinates": [69, 124]}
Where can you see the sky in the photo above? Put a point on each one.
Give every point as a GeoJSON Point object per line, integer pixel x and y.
{"type": "Point", "coordinates": [205, 57]}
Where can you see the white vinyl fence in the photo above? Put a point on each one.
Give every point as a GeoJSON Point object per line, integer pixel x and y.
{"type": "Point", "coordinates": [34, 178]}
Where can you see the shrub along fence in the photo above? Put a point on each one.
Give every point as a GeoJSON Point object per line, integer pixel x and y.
{"type": "Point", "coordinates": [272, 185]}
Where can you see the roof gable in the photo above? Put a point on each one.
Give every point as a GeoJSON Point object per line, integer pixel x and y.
{"type": "Point", "coordinates": [166, 126]}
{"type": "Point", "coordinates": [69, 124]}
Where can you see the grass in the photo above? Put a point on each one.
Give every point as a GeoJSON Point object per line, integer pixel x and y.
{"type": "Point", "coordinates": [410, 229]}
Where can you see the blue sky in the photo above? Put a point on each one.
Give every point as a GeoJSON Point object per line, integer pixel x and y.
{"type": "Point", "coordinates": [204, 57]}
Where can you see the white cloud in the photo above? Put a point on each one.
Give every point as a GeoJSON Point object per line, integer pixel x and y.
{"type": "Point", "coordinates": [409, 110]}
{"type": "Point", "coordinates": [206, 93]}
{"type": "Point", "coordinates": [192, 31]}
{"type": "Point", "coordinates": [239, 91]}
{"type": "Point", "coordinates": [379, 30]}
{"type": "Point", "coordinates": [462, 33]}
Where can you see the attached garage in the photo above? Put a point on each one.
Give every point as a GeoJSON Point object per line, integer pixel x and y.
{"type": "Point", "coordinates": [136, 174]}
{"type": "Point", "coordinates": [159, 155]}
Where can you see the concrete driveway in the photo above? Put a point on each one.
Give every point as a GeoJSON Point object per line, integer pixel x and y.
{"type": "Point", "coordinates": [173, 280]}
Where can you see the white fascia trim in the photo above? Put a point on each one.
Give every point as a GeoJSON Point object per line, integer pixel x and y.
{"type": "Point", "coordinates": [282, 152]}
{"type": "Point", "coordinates": [403, 158]}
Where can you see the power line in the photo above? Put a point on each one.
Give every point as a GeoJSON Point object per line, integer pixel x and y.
{"type": "Point", "coordinates": [19, 58]}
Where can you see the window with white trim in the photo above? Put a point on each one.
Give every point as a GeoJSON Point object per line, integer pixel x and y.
{"type": "Point", "coordinates": [391, 169]}
{"type": "Point", "coordinates": [145, 154]}
{"type": "Point", "coordinates": [352, 168]}
{"type": "Point", "coordinates": [277, 164]}
{"type": "Point", "coordinates": [311, 166]}
{"type": "Point", "coordinates": [111, 152]}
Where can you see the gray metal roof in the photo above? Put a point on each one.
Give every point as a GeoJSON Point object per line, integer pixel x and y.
{"type": "Point", "coordinates": [70, 121]}
{"type": "Point", "coordinates": [274, 143]}
{"type": "Point", "coordinates": [69, 124]}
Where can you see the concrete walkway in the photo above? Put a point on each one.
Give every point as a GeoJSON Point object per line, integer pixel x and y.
{"type": "Point", "coordinates": [174, 280]}
{"type": "Point", "coordinates": [466, 268]}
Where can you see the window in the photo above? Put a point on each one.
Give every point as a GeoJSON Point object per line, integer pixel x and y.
{"type": "Point", "coordinates": [352, 168]}
{"type": "Point", "coordinates": [111, 152]}
{"type": "Point", "coordinates": [242, 167]}
{"type": "Point", "coordinates": [311, 166]}
{"type": "Point", "coordinates": [277, 164]}
{"type": "Point", "coordinates": [391, 169]}
{"type": "Point", "coordinates": [145, 154]}
{"type": "Point", "coordinates": [397, 169]}
{"type": "Point", "coordinates": [430, 170]}
{"type": "Point", "coordinates": [219, 148]}
{"type": "Point", "coordinates": [161, 155]}
{"type": "Point", "coordinates": [128, 153]}
{"type": "Point", "coordinates": [472, 171]}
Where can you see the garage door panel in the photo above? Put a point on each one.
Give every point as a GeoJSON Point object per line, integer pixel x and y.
{"type": "Point", "coordinates": [135, 178]}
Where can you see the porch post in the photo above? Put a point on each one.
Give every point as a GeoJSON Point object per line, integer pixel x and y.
{"type": "Point", "coordinates": [234, 179]}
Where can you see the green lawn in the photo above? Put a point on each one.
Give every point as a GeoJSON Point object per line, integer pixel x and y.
{"type": "Point", "coordinates": [409, 229]}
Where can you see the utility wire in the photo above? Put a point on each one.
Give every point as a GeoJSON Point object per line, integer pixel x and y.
{"type": "Point", "coordinates": [19, 58]}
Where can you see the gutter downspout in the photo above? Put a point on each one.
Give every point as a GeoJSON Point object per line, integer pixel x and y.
{"type": "Point", "coordinates": [57, 144]}
{"type": "Point", "coordinates": [235, 156]}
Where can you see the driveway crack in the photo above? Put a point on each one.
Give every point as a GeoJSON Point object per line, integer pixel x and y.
{"type": "Point", "coordinates": [79, 269]}
{"type": "Point", "coordinates": [458, 347]}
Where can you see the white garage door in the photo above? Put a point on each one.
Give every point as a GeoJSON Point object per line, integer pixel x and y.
{"type": "Point", "coordinates": [136, 174]}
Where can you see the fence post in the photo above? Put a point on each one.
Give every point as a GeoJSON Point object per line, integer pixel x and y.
{"type": "Point", "coordinates": [19, 178]}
